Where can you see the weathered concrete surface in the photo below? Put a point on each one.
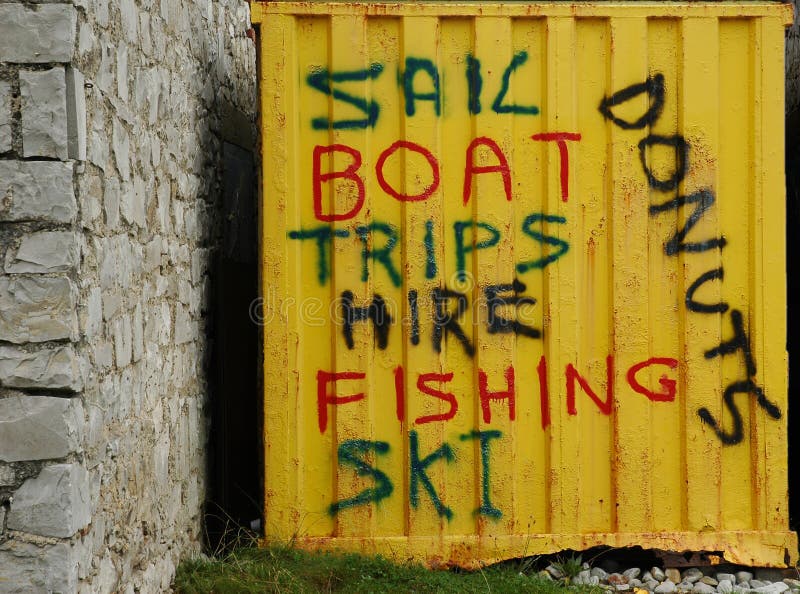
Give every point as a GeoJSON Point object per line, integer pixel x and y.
{"type": "Point", "coordinates": [76, 114]}
{"type": "Point", "coordinates": [56, 503]}
{"type": "Point", "coordinates": [43, 96]}
{"type": "Point", "coordinates": [37, 309]}
{"type": "Point", "coordinates": [5, 116]}
{"type": "Point", "coordinates": [36, 34]}
{"type": "Point", "coordinates": [30, 568]}
{"type": "Point", "coordinates": [39, 427]}
{"type": "Point", "coordinates": [43, 252]}
{"type": "Point", "coordinates": [42, 369]}
{"type": "Point", "coordinates": [36, 190]}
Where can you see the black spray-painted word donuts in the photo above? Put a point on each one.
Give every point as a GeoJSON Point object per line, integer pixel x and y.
{"type": "Point", "coordinates": [702, 201]}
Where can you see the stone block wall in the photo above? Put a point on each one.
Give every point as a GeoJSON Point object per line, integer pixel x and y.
{"type": "Point", "coordinates": [112, 120]}
{"type": "Point", "coordinates": [793, 68]}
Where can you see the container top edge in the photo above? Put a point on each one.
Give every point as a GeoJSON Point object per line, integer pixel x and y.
{"type": "Point", "coordinates": [518, 8]}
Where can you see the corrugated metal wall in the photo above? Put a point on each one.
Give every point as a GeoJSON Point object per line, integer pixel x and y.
{"type": "Point", "coordinates": [524, 281]}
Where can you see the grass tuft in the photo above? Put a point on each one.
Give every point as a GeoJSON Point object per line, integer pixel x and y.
{"type": "Point", "coordinates": [569, 567]}
{"type": "Point", "coordinates": [283, 569]}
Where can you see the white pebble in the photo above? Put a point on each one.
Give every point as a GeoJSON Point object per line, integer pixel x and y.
{"type": "Point", "coordinates": [599, 572]}
{"type": "Point", "coordinates": [554, 571]}
{"type": "Point", "coordinates": [701, 588]}
{"type": "Point", "coordinates": [658, 574]}
{"type": "Point", "coordinates": [776, 588]}
{"type": "Point", "coordinates": [743, 576]}
{"type": "Point", "coordinates": [665, 587]}
{"type": "Point", "coordinates": [631, 573]}
{"type": "Point", "coordinates": [673, 575]}
{"type": "Point", "coordinates": [692, 575]}
{"type": "Point", "coordinates": [582, 578]}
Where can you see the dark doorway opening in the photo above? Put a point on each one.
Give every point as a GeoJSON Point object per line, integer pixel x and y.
{"type": "Point", "coordinates": [234, 505]}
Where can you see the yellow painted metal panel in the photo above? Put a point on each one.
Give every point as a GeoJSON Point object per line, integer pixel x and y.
{"type": "Point", "coordinates": [523, 277]}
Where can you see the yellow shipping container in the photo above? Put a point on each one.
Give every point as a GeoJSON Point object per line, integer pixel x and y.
{"type": "Point", "coordinates": [524, 278]}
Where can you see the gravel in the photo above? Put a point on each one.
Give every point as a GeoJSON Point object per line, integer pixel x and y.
{"type": "Point", "coordinates": [693, 580]}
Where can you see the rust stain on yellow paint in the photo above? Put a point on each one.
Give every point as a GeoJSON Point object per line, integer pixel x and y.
{"type": "Point", "coordinates": [523, 284]}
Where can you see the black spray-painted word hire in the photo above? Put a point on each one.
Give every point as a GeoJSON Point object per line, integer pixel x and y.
{"type": "Point", "coordinates": [702, 201]}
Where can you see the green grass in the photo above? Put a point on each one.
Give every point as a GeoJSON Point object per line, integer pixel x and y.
{"type": "Point", "coordinates": [282, 569]}
{"type": "Point", "coordinates": [570, 567]}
